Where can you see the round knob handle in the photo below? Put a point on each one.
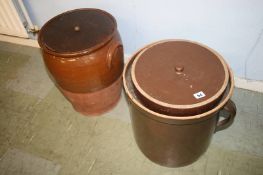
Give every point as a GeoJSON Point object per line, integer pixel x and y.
{"type": "Point", "coordinates": [179, 69]}
{"type": "Point", "coordinates": [76, 28]}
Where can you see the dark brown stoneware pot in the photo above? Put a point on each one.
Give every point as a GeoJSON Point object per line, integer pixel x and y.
{"type": "Point", "coordinates": [179, 77]}
{"type": "Point", "coordinates": [83, 51]}
{"type": "Point", "coordinates": [175, 141]}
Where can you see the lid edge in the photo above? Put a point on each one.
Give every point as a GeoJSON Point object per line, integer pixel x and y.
{"type": "Point", "coordinates": [170, 117]}
{"type": "Point", "coordinates": [43, 45]}
{"type": "Point", "coordinates": [188, 106]}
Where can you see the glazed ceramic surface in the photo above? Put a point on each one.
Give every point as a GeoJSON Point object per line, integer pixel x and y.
{"type": "Point", "coordinates": [175, 141]}
{"type": "Point", "coordinates": [82, 50]}
{"type": "Point", "coordinates": [179, 77]}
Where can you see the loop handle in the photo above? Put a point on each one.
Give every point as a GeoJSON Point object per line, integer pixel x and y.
{"type": "Point", "coordinates": [112, 50]}
{"type": "Point", "coordinates": [228, 113]}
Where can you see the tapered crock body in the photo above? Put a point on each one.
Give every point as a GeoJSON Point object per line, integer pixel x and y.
{"type": "Point", "coordinates": [83, 52]}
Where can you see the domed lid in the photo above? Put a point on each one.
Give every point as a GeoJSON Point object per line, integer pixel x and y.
{"type": "Point", "coordinates": [76, 32]}
{"type": "Point", "coordinates": [179, 74]}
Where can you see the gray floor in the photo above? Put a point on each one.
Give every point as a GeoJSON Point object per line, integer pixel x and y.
{"type": "Point", "coordinates": [40, 133]}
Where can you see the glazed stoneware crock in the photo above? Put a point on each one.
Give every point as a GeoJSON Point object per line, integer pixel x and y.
{"type": "Point", "coordinates": [179, 77]}
{"type": "Point", "coordinates": [175, 141]}
{"type": "Point", "coordinates": [83, 52]}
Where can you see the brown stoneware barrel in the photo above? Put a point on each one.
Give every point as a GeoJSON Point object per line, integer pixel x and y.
{"type": "Point", "coordinates": [83, 52]}
{"type": "Point", "coordinates": [170, 140]}
{"type": "Point", "coordinates": [179, 77]}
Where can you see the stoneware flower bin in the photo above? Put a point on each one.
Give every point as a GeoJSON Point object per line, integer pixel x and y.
{"type": "Point", "coordinates": [175, 141]}
{"type": "Point", "coordinates": [83, 52]}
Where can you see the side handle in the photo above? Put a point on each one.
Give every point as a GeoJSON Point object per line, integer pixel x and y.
{"type": "Point", "coordinates": [112, 50]}
{"type": "Point", "coordinates": [228, 113]}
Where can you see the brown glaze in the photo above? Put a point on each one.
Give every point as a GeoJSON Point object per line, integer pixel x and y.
{"type": "Point", "coordinates": [169, 74]}
{"type": "Point", "coordinates": [171, 145]}
{"type": "Point", "coordinates": [83, 51]}
{"type": "Point", "coordinates": [77, 31]}
{"type": "Point", "coordinates": [175, 141]}
{"type": "Point", "coordinates": [81, 55]}
{"type": "Point", "coordinates": [95, 103]}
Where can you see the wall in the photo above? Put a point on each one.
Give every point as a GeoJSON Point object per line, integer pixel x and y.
{"type": "Point", "coordinates": [233, 28]}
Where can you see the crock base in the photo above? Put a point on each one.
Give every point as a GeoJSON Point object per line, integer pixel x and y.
{"type": "Point", "coordinates": [95, 103]}
{"type": "Point", "coordinates": [94, 113]}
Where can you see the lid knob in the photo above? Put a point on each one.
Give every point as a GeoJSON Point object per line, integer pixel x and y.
{"type": "Point", "coordinates": [179, 69]}
{"type": "Point", "coordinates": [77, 28]}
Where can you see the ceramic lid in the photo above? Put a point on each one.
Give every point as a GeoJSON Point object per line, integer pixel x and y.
{"type": "Point", "coordinates": [77, 31]}
{"type": "Point", "coordinates": [179, 74]}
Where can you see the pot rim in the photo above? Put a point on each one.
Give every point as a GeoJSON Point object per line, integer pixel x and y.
{"type": "Point", "coordinates": [165, 105]}
{"type": "Point", "coordinates": [81, 52]}
{"type": "Point", "coordinates": [170, 117]}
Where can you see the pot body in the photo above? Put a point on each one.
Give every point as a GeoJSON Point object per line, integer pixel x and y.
{"type": "Point", "coordinates": [171, 145]}
{"type": "Point", "coordinates": [175, 141]}
{"type": "Point", "coordinates": [84, 58]}
{"type": "Point", "coordinates": [88, 72]}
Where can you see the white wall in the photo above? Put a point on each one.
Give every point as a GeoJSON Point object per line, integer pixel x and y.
{"type": "Point", "coordinates": [232, 27]}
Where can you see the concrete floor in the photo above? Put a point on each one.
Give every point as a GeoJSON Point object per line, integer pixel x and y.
{"type": "Point", "coordinates": [40, 133]}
